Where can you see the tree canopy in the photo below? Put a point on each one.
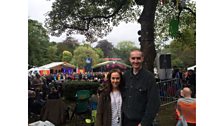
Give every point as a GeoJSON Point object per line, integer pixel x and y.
{"type": "Point", "coordinates": [81, 53]}
{"type": "Point", "coordinates": [183, 49]}
{"type": "Point", "coordinates": [67, 56]}
{"type": "Point", "coordinates": [106, 47]}
{"type": "Point", "coordinates": [38, 42]}
{"type": "Point", "coordinates": [89, 17]}
{"type": "Point", "coordinates": [52, 53]}
{"type": "Point", "coordinates": [123, 49]}
{"type": "Point", "coordinates": [167, 12]}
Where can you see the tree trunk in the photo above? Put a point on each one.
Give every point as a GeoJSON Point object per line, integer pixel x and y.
{"type": "Point", "coordinates": [147, 33]}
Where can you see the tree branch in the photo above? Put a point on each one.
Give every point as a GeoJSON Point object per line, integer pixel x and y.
{"type": "Point", "coordinates": [109, 16]}
{"type": "Point", "coordinates": [89, 19]}
{"type": "Point", "coordinates": [189, 9]}
{"type": "Point", "coordinates": [182, 8]}
{"type": "Point", "coordinates": [74, 27]}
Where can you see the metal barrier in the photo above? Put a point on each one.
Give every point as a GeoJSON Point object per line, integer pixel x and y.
{"type": "Point", "coordinates": [169, 91]}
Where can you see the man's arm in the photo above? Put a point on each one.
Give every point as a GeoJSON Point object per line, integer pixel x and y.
{"type": "Point", "coordinates": [153, 104]}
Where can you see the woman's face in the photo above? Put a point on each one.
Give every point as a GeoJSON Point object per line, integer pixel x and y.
{"type": "Point", "coordinates": [115, 79]}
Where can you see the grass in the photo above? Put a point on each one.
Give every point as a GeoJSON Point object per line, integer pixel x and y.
{"type": "Point", "coordinates": [166, 115]}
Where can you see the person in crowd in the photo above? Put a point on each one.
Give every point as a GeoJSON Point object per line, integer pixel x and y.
{"type": "Point", "coordinates": [80, 76]}
{"type": "Point", "coordinates": [53, 94]}
{"type": "Point", "coordinates": [37, 82]}
{"type": "Point", "coordinates": [191, 80]}
{"type": "Point", "coordinates": [177, 74]}
{"type": "Point", "coordinates": [55, 76]}
{"type": "Point", "coordinates": [186, 107]}
{"type": "Point", "coordinates": [141, 99]}
{"type": "Point", "coordinates": [110, 101]}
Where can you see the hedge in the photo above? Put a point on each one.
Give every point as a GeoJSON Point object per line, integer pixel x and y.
{"type": "Point", "coordinates": [70, 88]}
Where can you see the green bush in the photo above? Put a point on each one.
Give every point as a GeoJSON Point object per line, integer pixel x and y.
{"type": "Point", "coordinates": [70, 88]}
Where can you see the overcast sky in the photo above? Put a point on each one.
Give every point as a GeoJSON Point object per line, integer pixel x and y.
{"type": "Point", "coordinates": [38, 8]}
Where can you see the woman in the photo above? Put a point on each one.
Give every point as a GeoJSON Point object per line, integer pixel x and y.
{"type": "Point", "coordinates": [109, 103]}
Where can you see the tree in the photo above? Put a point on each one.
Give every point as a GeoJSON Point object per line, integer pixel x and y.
{"type": "Point", "coordinates": [123, 49]}
{"type": "Point", "coordinates": [166, 12]}
{"type": "Point", "coordinates": [81, 53]}
{"type": "Point", "coordinates": [147, 32]}
{"type": "Point", "coordinates": [106, 47]}
{"type": "Point", "coordinates": [69, 44]}
{"type": "Point", "coordinates": [38, 42]}
{"type": "Point", "coordinates": [67, 56]}
{"type": "Point", "coordinates": [99, 52]}
{"type": "Point", "coordinates": [52, 53]}
{"type": "Point", "coordinates": [183, 49]}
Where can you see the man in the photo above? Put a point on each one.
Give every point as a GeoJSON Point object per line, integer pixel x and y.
{"type": "Point", "coordinates": [186, 107]}
{"type": "Point", "coordinates": [141, 100]}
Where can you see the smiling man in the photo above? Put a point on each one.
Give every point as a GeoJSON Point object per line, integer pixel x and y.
{"type": "Point", "coordinates": [140, 95]}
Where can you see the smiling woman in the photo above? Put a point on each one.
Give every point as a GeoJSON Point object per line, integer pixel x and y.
{"type": "Point", "coordinates": [110, 101]}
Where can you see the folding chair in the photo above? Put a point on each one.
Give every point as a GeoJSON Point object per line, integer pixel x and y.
{"type": "Point", "coordinates": [81, 105]}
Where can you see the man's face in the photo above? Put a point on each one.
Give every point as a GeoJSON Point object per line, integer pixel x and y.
{"type": "Point", "coordinates": [136, 59]}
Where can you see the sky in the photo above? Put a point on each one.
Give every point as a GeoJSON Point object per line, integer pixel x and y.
{"type": "Point", "coordinates": [37, 10]}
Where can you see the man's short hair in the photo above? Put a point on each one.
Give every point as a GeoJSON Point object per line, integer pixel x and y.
{"type": "Point", "coordinates": [132, 50]}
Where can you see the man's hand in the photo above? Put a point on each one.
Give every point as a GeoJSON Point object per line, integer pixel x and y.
{"type": "Point", "coordinates": [139, 124]}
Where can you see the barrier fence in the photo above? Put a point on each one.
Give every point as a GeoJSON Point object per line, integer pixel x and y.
{"type": "Point", "coordinates": [169, 91]}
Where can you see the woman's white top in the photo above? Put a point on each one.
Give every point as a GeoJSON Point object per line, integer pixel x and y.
{"type": "Point", "coordinates": [116, 102]}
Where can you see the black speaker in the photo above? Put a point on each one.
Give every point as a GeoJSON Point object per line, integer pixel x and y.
{"type": "Point", "coordinates": [165, 61]}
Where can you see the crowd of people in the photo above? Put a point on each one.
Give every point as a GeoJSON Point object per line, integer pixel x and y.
{"type": "Point", "coordinates": [41, 88]}
{"type": "Point", "coordinates": [186, 104]}
{"type": "Point", "coordinates": [187, 78]}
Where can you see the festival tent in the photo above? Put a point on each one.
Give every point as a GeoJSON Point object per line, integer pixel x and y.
{"type": "Point", "coordinates": [191, 68]}
{"type": "Point", "coordinates": [59, 67]}
{"type": "Point", "coordinates": [44, 72]}
{"type": "Point", "coordinates": [33, 71]}
{"type": "Point", "coordinates": [108, 65]}
{"type": "Point", "coordinates": [40, 71]}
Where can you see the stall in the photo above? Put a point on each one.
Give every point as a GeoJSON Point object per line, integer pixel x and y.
{"type": "Point", "coordinates": [40, 71]}
{"type": "Point", "coordinates": [191, 68]}
{"type": "Point", "coordinates": [108, 65]}
{"type": "Point", "coordinates": [59, 67]}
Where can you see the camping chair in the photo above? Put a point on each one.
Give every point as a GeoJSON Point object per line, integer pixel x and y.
{"type": "Point", "coordinates": [81, 104]}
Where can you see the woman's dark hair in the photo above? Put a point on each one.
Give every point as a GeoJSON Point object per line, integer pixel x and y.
{"type": "Point", "coordinates": [109, 81]}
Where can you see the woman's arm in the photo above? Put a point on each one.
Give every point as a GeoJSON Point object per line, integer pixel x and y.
{"type": "Point", "coordinates": [99, 115]}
